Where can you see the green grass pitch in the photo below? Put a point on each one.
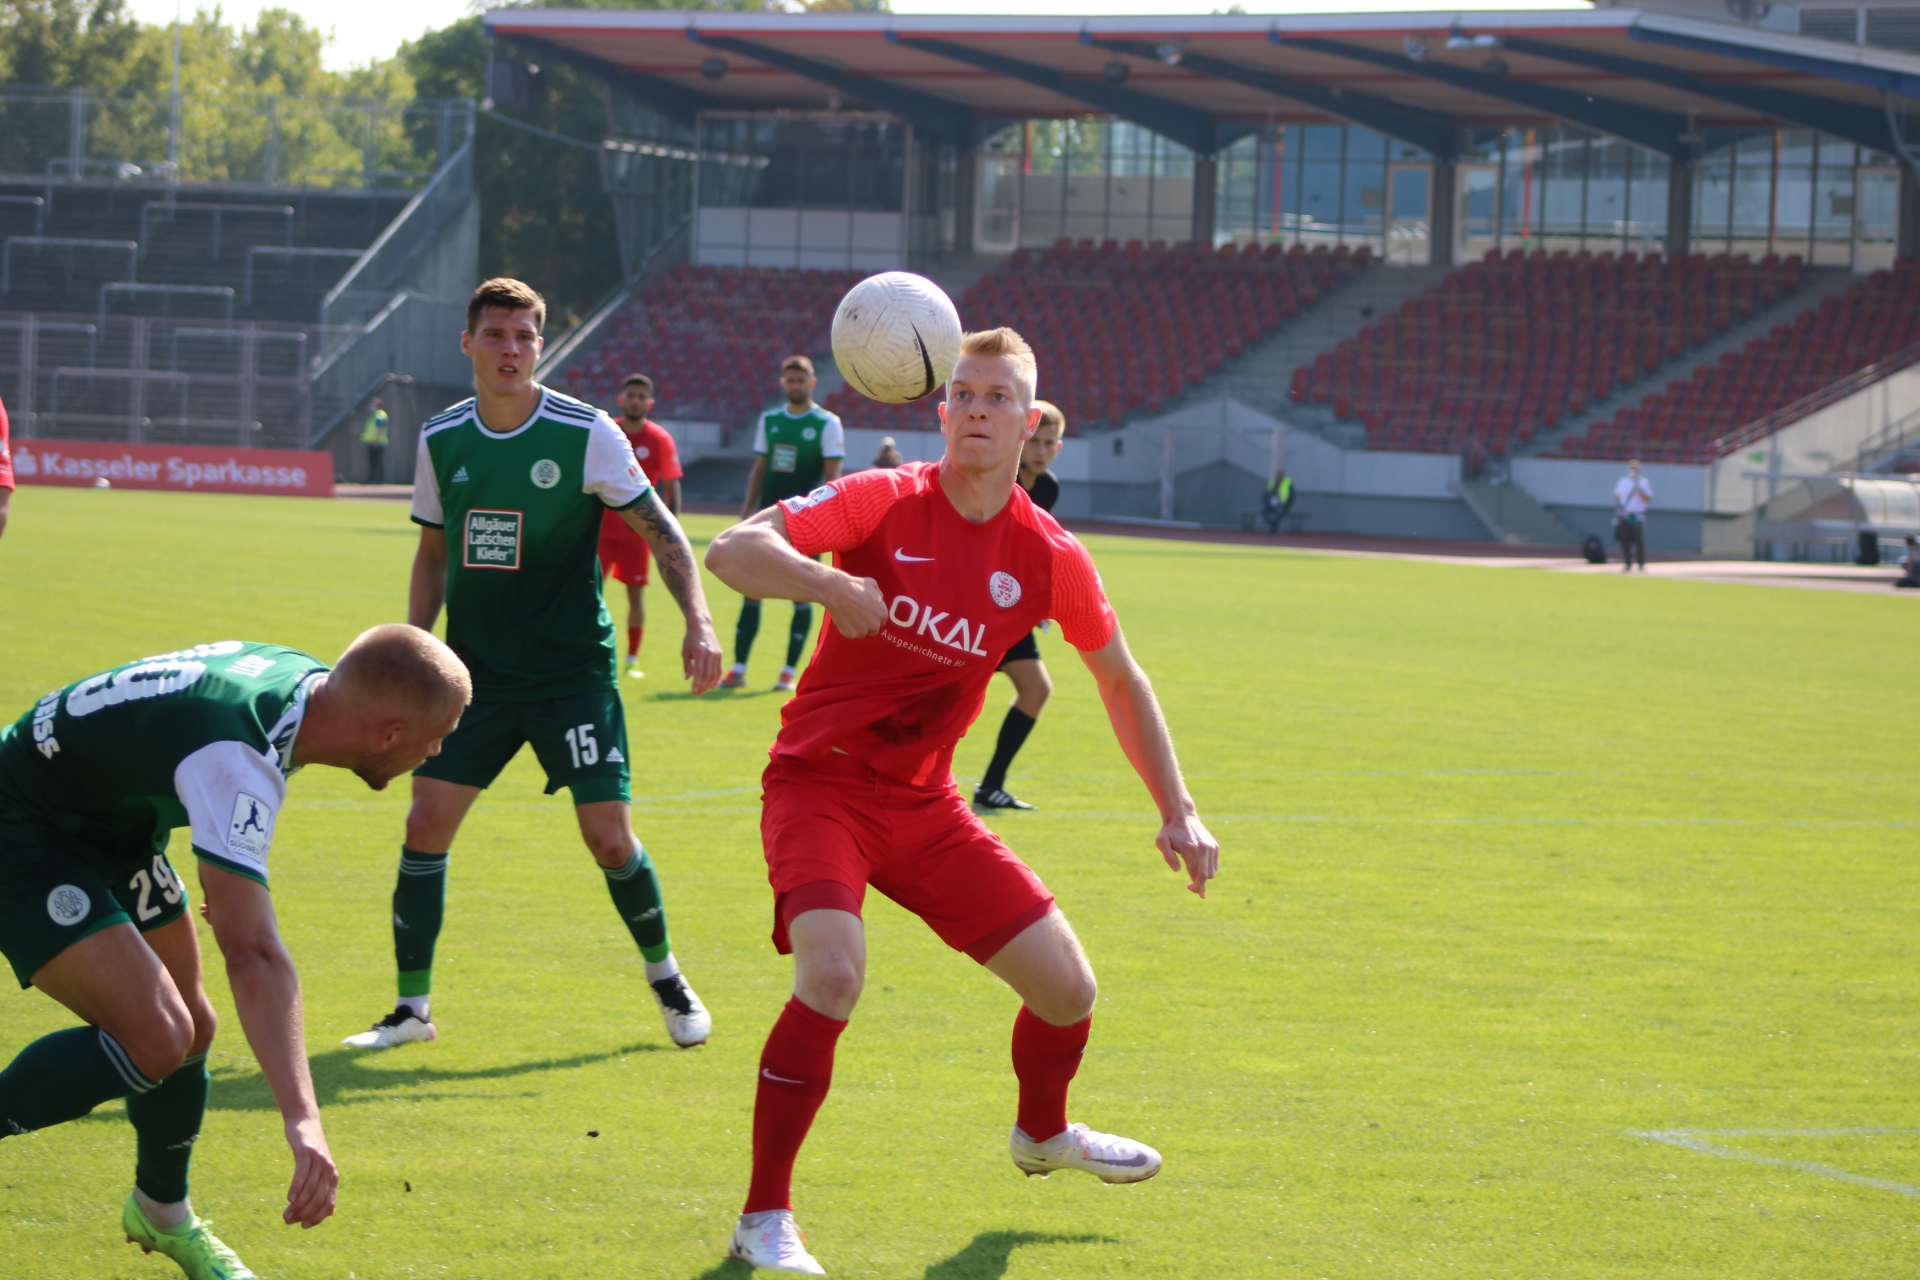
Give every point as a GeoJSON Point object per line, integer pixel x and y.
{"type": "Point", "coordinates": [1517, 867]}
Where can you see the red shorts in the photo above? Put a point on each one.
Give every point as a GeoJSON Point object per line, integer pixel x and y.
{"type": "Point", "coordinates": [832, 828]}
{"type": "Point", "coordinates": [624, 559]}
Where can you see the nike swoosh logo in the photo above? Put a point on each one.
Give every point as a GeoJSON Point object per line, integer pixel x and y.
{"type": "Point", "coordinates": [1130, 1160]}
{"type": "Point", "coordinates": [779, 1079]}
{"type": "Point", "coordinates": [900, 554]}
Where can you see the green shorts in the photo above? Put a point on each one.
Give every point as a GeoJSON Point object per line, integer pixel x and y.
{"type": "Point", "coordinates": [581, 741]}
{"type": "Point", "coordinates": [50, 899]}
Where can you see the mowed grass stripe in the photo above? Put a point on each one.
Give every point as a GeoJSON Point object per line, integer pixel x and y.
{"type": "Point", "coordinates": [1517, 866]}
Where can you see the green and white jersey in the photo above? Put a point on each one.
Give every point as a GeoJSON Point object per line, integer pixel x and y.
{"type": "Point", "coordinates": [796, 447]}
{"type": "Point", "coordinates": [202, 738]}
{"type": "Point", "coordinates": [521, 510]}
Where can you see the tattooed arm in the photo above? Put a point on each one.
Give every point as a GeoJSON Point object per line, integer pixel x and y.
{"type": "Point", "coordinates": [700, 654]}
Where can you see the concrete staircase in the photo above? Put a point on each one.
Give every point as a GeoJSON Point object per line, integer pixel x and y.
{"type": "Point", "coordinates": [1511, 514]}
{"type": "Point", "coordinates": [1262, 375]}
{"type": "Point", "coordinates": [1816, 285]}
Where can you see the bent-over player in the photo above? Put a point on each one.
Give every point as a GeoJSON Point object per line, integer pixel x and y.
{"type": "Point", "coordinates": [508, 492]}
{"type": "Point", "coordinates": [92, 780]}
{"type": "Point", "coordinates": [1032, 686]}
{"type": "Point", "coordinates": [938, 568]}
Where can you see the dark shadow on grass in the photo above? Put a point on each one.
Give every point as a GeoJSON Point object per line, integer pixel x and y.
{"type": "Point", "coordinates": [726, 1269]}
{"type": "Point", "coordinates": [988, 1255]}
{"type": "Point", "coordinates": [715, 694]}
{"type": "Point", "coordinates": [342, 1077]}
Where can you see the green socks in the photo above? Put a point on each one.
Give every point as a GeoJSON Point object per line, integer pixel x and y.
{"type": "Point", "coordinates": [64, 1076]}
{"type": "Point", "coordinates": [636, 895]}
{"type": "Point", "coordinates": [419, 904]}
{"type": "Point", "coordinates": [745, 630]}
{"type": "Point", "coordinates": [802, 627]}
{"type": "Point", "coordinates": [166, 1121]}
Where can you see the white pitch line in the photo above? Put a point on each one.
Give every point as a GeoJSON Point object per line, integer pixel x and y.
{"type": "Point", "coordinates": [1696, 1140]}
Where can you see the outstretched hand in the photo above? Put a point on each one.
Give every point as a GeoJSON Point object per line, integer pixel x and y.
{"type": "Point", "coordinates": [700, 657]}
{"type": "Point", "coordinates": [1186, 839]}
{"type": "Point", "coordinates": [310, 1197]}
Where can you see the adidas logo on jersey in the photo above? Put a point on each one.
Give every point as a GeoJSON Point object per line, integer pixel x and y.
{"type": "Point", "coordinates": [459, 477]}
{"type": "Point", "coordinates": [614, 757]}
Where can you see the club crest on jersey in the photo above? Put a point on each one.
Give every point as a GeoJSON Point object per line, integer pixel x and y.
{"type": "Point", "coordinates": [546, 473]}
{"type": "Point", "coordinates": [251, 830]}
{"type": "Point", "coordinates": [67, 905]}
{"type": "Point", "coordinates": [1004, 588]}
{"type": "Point", "coordinates": [923, 621]}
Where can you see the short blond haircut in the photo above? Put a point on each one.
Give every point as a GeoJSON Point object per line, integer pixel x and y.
{"type": "Point", "coordinates": [1050, 416]}
{"type": "Point", "coordinates": [396, 669]}
{"type": "Point", "coordinates": [1005, 342]}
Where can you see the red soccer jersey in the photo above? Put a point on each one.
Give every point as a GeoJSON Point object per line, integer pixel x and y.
{"type": "Point", "coordinates": [6, 456]}
{"type": "Point", "coordinates": [958, 594]}
{"type": "Point", "coordinates": [659, 458]}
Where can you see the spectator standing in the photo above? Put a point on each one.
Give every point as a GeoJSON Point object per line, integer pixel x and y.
{"type": "Point", "coordinates": [374, 435]}
{"type": "Point", "coordinates": [1631, 498]}
{"type": "Point", "coordinates": [623, 553]}
{"type": "Point", "coordinates": [889, 455]}
{"type": "Point", "coordinates": [1275, 499]}
{"type": "Point", "coordinates": [6, 469]}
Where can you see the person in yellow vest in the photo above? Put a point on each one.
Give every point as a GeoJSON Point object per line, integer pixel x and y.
{"type": "Point", "coordinates": [374, 436]}
{"type": "Point", "coordinates": [1275, 499]}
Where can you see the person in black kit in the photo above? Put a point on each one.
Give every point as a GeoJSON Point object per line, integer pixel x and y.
{"type": "Point", "coordinates": [1031, 684]}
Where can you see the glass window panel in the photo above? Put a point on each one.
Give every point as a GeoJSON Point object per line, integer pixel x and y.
{"type": "Point", "coordinates": [1320, 198]}
{"type": "Point", "coordinates": [1320, 141]}
{"type": "Point", "coordinates": [1833, 214]}
{"type": "Point", "coordinates": [1606, 193]}
{"type": "Point", "coordinates": [1365, 190]}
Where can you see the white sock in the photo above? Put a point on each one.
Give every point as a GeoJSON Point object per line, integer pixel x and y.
{"type": "Point", "coordinates": [786, 671]}
{"type": "Point", "coordinates": [658, 969]}
{"type": "Point", "coordinates": [739, 668]}
{"type": "Point", "coordinates": [415, 1005]}
{"type": "Point", "coordinates": [167, 1217]}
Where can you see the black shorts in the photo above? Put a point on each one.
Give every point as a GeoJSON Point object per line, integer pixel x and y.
{"type": "Point", "coordinates": [51, 899]}
{"type": "Point", "coordinates": [581, 741]}
{"type": "Point", "coordinates": [1025, 649]}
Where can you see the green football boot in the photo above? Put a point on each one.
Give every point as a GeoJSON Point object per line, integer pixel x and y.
{"type": "Point", "coordinates": [194, 1246]}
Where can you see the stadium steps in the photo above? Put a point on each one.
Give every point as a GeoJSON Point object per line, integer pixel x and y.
{"type": "Point", "coordinates": [1260, 378]}
{"type": "Point", "coordinates": [1816, 285]}
{"type": "Point", "coordinates": [1512, 515]}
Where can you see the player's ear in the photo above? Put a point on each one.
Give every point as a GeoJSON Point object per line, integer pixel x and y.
{"type": "Point", "coordinates": [466, 342]}
{"type": "Point", "coordinates": [1033, 423]}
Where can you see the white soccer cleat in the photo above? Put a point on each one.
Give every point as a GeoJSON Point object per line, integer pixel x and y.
{"type": "Point", "coordinates": [1107, 1156]}
{"type": "Point", "coordinates": [688, 1022]}
{"type": "Point", "coordinates": [772, 1240]}
{"type": "Point", "coordinates": [398, 1027]}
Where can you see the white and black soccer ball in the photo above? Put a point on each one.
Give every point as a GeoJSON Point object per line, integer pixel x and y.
{"type": "Point", "coordinates": [896, 337]}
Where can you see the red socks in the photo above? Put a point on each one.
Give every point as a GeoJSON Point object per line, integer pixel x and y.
{"type": "Point", "coordinates": [1045, 1058]}
{"type": "Point", "coordinates": [633, 641]}
{"type": "Point", "coordinates": [796, 1068]}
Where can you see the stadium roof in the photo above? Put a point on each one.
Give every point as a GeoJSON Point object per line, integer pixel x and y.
{"type": "Point", "coordinates": [1657, 80]}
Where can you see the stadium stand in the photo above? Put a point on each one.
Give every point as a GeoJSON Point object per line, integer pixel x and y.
{"type": "Point", "coordinates": [1694, 419]}
{"type": "Point", "coordinates": [1101, 318]}
{"type": "Point", "coordinates": [1505, 348]}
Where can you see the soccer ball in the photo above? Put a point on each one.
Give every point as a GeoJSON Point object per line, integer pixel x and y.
{"type": "Point", "coordinates": [896, 337]}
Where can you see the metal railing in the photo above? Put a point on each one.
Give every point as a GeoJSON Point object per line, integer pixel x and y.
{"type": "Point", "coordinates": [128, 247]}
{"type": "Point", "coordinates": [371, 282]}
{"type": "Point", "coordinates": [173, 208]}
{"type": "Point", "coordinates": [1834, 392]}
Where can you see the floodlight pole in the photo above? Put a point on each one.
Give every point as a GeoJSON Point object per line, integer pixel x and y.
{"type": "Point", "coordinates": [173, 126]}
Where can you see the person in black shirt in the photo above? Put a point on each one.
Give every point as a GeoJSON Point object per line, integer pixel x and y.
{"type": "Point", "coordinates": [1031, 684]}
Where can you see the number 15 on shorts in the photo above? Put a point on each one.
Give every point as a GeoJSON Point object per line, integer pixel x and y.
{"type": "Point", "coordinates": [580, 741]}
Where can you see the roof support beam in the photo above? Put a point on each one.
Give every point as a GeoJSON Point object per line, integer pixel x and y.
{"type": "Point", "coordinates": [1430, 131]}
{"type": "Point", "coordinates": [1837, 67]}
{"type": "Point", "coordinates": [1861, 125]}
{"type": "Point", "coordinates": [678, 104]}
{"type": "Point", "coordinates": [940, 118]}
{"type": "Point", "coordinates": [1660, 131]}
{"type": "Point", "coordinates": [1192, 128]}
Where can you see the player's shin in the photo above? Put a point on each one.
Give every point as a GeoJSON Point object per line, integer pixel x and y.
{"type": "Point", "coordinates": [1013, 735]}
{"type": "Point", "coordinates": [635, 889]}
{"type": "Point", "coordinates": [166, 1123]}
{"type": "Point", "coordinates": [1045, 1059]}
{"type": "Point", "coordinates": [796, 1069]}
{"type": "Point", "coordinates": [744, 631]}
{"type": "Point", "coordinates": [797, 637]}
{"type": "Point", "coordinates": [419, 907]}
{"type": "Point", "coordinates": [64, 1076]}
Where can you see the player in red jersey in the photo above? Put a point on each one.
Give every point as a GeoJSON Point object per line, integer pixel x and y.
{"type": "Point", "coordinates": [623, 553]}
{"type": "Point", "coordinates": [6, 470]}
{"type": "Point", "coordinates": [937, 569]}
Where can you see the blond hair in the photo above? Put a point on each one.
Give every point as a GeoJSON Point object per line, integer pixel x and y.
{"type": "Point", "coordinates": [1050, 416]}
{"type": "Point", "coordinates": [401, 670]}
{"type": "Point", "coordinates": [1005, 342]}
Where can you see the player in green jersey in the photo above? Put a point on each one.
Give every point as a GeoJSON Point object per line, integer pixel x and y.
{"type": "Point", "coordinates": [508, 492]}
{"type": "Point", "coordinates": [92, 781]}
{"type": "Point", "coordinates": [796, 448]}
